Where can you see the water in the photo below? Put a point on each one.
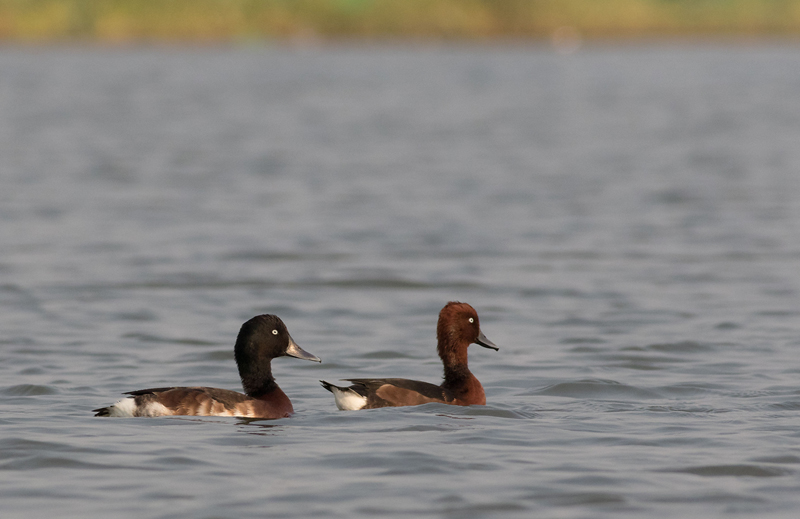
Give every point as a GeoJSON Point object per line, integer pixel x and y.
{"type": "Point", "coordinates": [624, 219]}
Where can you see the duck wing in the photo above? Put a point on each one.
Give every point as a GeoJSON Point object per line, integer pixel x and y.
{"type": "Point", "coordinates": [397, 392]}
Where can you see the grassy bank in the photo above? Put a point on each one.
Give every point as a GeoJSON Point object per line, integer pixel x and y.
{"type": "Point", "coordinates": [117, 21]}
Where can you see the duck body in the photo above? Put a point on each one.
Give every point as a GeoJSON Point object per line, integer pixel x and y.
{"type": "Point", "coordinates": [457, 328]}
{"type": "Point", "coordinates": [260, 339]}
{"type": "Point", "coordinates": [199, 401]}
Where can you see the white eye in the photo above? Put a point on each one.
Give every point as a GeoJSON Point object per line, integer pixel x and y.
{"type": "Point", "coordinates": [274, 332]}
{"type": "Point", "coordinates": [471, 320]}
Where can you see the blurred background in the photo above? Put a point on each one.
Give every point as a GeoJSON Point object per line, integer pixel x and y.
{"type": "Point", "coordinates": [218, 21]}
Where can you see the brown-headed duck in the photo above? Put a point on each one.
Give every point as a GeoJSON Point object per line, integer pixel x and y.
{"type": "Point", "coordinates": [458, 327]}
{"type": "Point", "coordinates": [260, 340]}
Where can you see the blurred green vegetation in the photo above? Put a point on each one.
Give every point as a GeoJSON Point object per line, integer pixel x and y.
{"type": "Point", "coordinates": [120, 21]}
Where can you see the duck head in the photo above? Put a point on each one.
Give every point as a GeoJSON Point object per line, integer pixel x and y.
{"type": "Point", "coordinates": [459, 327]}
{"type": "Point", "coordinates": [260, 340]}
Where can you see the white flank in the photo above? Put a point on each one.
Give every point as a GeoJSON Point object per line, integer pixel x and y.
{"type": "Point", "coordinates": [348, 400]}
{"type": "Point", "coordinates": [125, 407]}
{"type": "Point", "coordinates": [154, 409]}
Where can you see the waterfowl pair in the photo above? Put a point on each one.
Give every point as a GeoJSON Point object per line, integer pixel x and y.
{"type": "Point", "coordinates": [260, 340]}
{"type": "Point", "coordinates": [265, 337]}
{"type": "Point", "coordinates": [458, 327]}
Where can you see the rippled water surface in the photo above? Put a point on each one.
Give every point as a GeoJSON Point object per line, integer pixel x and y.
{"type": "Point", "coordinates": [626, 221]}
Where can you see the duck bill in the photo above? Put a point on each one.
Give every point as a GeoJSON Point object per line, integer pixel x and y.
{"type": "Point", "coordinates": [293, 350]}
{"type": "Point", "coordinates": [486, 343]}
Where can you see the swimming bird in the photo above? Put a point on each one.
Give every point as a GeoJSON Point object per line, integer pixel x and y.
{"type": "Point", "coordinates": [260, 340]}
{"type": "Point", "coordinates": [458, 327]}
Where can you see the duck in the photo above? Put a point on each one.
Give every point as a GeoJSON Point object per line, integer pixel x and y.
{"type": "Point", "coordinates": [458, 327]}
{"type": "Point", "coordinates": [261, 339]}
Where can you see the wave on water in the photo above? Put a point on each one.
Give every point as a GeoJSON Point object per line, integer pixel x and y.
{"type": "Point", "coordinates": [675, 347]}
{"type": "Point", "coordinates": [385, 354]}
{"type": "Point", "coordinates": [488, 410]}
{"type": "Point", "coordinates": [145, 337]}
{"type": "Point", "coordinates": [205, 282]}
{"type": "Point", "coordinates": [736, 470]}
{"type": "Point", "coordinates": [29, 390]}
{"type": "Point", "coordinates": [597, 389]}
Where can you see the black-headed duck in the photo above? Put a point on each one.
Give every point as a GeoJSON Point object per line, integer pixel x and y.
{"type": "Point", "coordinates": [260, 340]}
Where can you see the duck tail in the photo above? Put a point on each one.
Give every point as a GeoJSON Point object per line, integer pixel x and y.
{"type": "Point", "coordinates": [329, 386]}
{"type": "Point", "coordinates": [103, 411]}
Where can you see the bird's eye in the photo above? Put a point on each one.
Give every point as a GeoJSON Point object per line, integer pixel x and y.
{"type": "Point", "coordinates": [471, 320]}
{"type": "Point", "coordinates": [274, 332]}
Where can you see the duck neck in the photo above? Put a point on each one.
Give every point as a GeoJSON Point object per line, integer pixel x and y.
{"type": "Point", "coordinates": [258, 381]}
{"type": "Point", "coordinates": [454, 358]}
{"type": "Point", "coordinates": [456, 375]}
